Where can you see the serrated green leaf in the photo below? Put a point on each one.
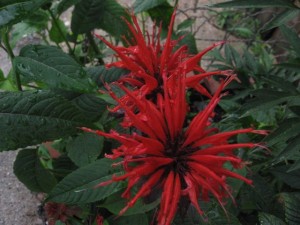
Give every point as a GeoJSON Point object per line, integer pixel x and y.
{"type": "Point", "coordinates": [290, 150]}
{"type": "Point", "coordinates": [255, 4]}
{"type": "Point", "coordinates": [292, 37]}
{"type": "Point", "coordinates": [13, 11]}
{"type": "Point", "coordinates": [92, 106]}
{"type": "Point", "coordinates": [185, 24]}
{"type": "Point", "coordinates": [100, 75]}
{"type": "Point", "coordinates": [53, 67]}
{"type": "Point", "coordinates": [30, 171]}
{"type": "Point", "coordinates": [115, 204]}
{"type": "Point", "coordinates": [162, 14]}
{"type": "Point", "coordinates": [292, 207]}
{"type": "Point", "coordinates": [188, 40]}
{"type": "Point", "coordinates": [30, 118]}
{"type": "Point", "coordinates": [268, 219]}
{"type": "Point", "coordinates": [64, 5]}
{"type": "Point", "coordinates": [62, 166]}
{"type": "Point", "coordinates": [85, 148]}
{"type": "Point", "coordinates": [140, 219]}
{"type": "Point", "coordinates": [79, 186]}
{"type": "Point", "coordinates": [141, 5]}
{"type": "Point", "coordinates": [288, 129]}
{"type": "Point", "coordinates": [103, 14]}
{"type": "Point", "coordinates": [266, 99]}
{"type": "Point", "coordinates": [290, 178]}
{"type": "Point", "coordinates": [282, 18]}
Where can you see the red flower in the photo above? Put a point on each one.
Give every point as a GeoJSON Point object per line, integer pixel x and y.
{"type": "Point", "coordinates": [148, 61]}
{"type": "Point", "coordinates": [165, 154]}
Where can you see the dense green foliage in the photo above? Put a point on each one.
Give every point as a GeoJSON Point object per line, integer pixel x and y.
{"type": "Point", "coordinates": [51, 91]}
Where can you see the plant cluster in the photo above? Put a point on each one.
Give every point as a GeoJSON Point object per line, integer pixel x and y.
{"type": "Point", "coordinates": [126, 128]}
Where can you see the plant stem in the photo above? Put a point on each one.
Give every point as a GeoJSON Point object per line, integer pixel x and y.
{"type": "Point", "coordinates": [60, 31]}
{"type": "Point", "coordinates": [11, 55]}
{"type": "Point", "coordinates": [95, 47]}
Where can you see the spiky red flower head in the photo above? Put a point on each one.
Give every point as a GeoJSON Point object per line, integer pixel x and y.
{"type": "Point", "coordinates": [148, 61]}
{"type": "Point", "coordinates": [181, 160]}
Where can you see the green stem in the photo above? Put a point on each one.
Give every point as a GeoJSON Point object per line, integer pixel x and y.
{"type": "Point", "coordinates": [60, 31]}
{"type": "Point", "coordinates": [11, 55]}
{"type": "Point", "coordinates": [95, 47]}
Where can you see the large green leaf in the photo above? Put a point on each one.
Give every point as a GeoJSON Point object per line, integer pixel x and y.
{"type": "Point", "coordinates": [30, 171]}
{"type": "Point", "coordinates": [142, 5]}
{"type": "Point", "coordinates": [289, 128]}
{"type": "Point", "coordinates": [101, 75]}
{"type": "Point", "coordinates": [282, 18]}
{"type": "Point", "coordinates": [115, 204]}
{"type": "Point", "coordinates": [292, 37]}
{"type": "Point", "coordinates": [28, 118]}
{"type": "Point", "coordinates": [13, 11]}
{"type": "Point", "coordinates": [85, 148]}
{"type": "Point", "coordinates": [64, 5]}
{"type": "Point", "coordinates": [79, 186]}
{"type": "Point", "coordinates": [268, 219]}
{"type": "Point", "coordinates": [291, 203]}
{"type": "Point", "coordinates": [266, 99]}
{"type": "Point", "coordinates": [51, 66]}
{"type": "Point", "coordinates": [292, 149]}
{"type": "Point", "coordinates": [255, 4]}
{"type": "Point", "coordinates": [290, 178]}
{"type": "Point", "coordinates": [140, 219]}
{"type": "Point", "coordinates": [103, 14]}
{"type": "Point", "coordinates": [91, 106]}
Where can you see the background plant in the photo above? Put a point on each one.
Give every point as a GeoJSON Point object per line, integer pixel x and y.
{"type": "Point", "coordinates": [51, 91]}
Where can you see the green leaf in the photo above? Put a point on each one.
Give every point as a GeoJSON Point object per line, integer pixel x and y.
{"type": "Point", "coordinates": [62, 166]}
{"type": "Point", "coordinates": [29, 118]}
{"type": "Point", "coordinates": [255, 4]}
{"type": "Point", "coordinates": [290, 178]}
{"type": "Point", "coordinates": [291, 206]}
{"type": "Point", "coordinates": [54, 32]}
{"type": "Point", "coordinates": [13, 11]}
{"type": "Point", "coordinates": [162, 14]}
{"type": "Point", "coordinates": [290, 150]}
{"type": "Point", "coordinates": [103, 14]}
{"type": "Point", "coordinates": [281, 19]}
{"type": "Point", "coordinates": [85, 148]}
{"type": "Point", "coordinates": [30, 171]}
{"type": "Point", "coordinates": [292, 37]}
{"type": "Point", "coordinates": [290, 66]}
{"type": "Point", "coordinates": [266, 99]}
{"type": "Point", "coordinates": [64, 5]}
{"type": "Point", "coordinates": [115, 204]}
{"type": "Point", "coordinates": [288, 129]}
{"type": "Point", "coordinates": [141, 5]}
{"type": "Point", "coordinates": [79, 186]}
{"type": "Point", "coordinates": [185, 24]}
{"type": "Point", "coordinates": [100, 75]}
{"type": "Point", "coordinates": [268, 219]}
{"type": "Point", "coordinates": [140, 219]}
{"type": "Point", "coordinates": [188, 40]}
{"type": "Point", "coordinates": [53, 67]}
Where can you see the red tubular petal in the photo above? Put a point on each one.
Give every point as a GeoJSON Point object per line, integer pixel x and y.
{"type": "Point", "coordinates": [154, 178]}
{"type": "Point", "coordinates": [226, 149]}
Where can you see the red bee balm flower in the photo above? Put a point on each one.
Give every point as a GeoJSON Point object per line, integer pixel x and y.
{"type": "Point", "coordinates": [179, 160]}
{"type": "Point", "coordinates": [148, 61]}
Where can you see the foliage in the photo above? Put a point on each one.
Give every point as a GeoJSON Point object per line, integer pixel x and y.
{"type": "Point", "coordinates": [59, 85]}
